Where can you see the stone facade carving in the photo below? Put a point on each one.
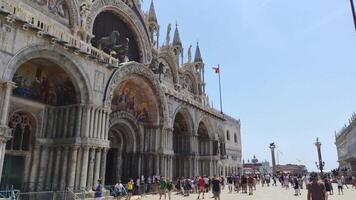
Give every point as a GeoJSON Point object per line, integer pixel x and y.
{"type": "Point", "coordinates": [92, 136]}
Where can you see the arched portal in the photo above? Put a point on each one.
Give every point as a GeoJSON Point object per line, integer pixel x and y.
{"type": "Point", "coordinates": [122, 158]}
{"type": "Point", "coordinates": [18, 148]}
{"type": "Point", "coordinates": [107, 22]}
{"type": "Point", "coordinates": [204, 149]}
{"type": "Point", "coordinates": [182, 136]}
{"type": "Point", "coordinates": [44, 81]}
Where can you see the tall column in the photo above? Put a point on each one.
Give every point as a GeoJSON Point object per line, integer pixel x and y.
{"type": "Point", "coordinates": [103, 163]}
{"type": "Point", "coordinates": [97, 164]}
{"type": "Point", "coordinates": [64, 164]}
{"type": "Point", "coordinates": [5, 131]}
{"type": "Point", "coordinates": [91, 167]}
{"type": "Point", "coordinates": [65, 131]}
{"type": "Point", "coordinates": [43, 168]}
{"type": "Point", "coordinates": [100, 122]}
{"type": "Point", "coordinates": [34, 167]}
{"type": "Point", "coordinates": [272, 147]}
{"type": "Point", "coordinates": [92, 122]}
{"type": "Point", "coordinates": [79, 168]}
{"type": "Point", "coordinates": [78, 120]}
{"type": "Point", "coordinates": [48, 185]}
{"type": "Point", "coordinates": [72, 167]}
{"type": "Point", "coordinates": [55, 182]}
{"type": "Point", "coordinates": [83, 180]}
{"type": "Point", "coordinates": [118, 164]}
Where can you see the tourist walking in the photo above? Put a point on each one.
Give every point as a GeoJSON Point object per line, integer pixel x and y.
{"type": "Point", "coordinates": [162, 188]}
{"type": "Point", "coordinates": [296, 186]}
{"type": "Point", "coordinates": [316, 190]}
{"type": "Point", "coordinates": [98, 190]}
{"type": "Point", "coordinates": [206, 184]}
{"type": "Point", "coordinates": [250, 182]}
{"type": "Point", "coordinates": [340, 186]}
{"type": "Point", "coordinates": [169, 189]}
{"type": "Point", "coordinates": [200, 186]}
{"type": "Point", "coordinates": [130, 188]}
{"type": "Point", "coordinates": [353, 182]}
{"type": "Point", "coordinates": [328, 186]}
{"type": "Point", "coordinates": [216, 188]}
{"type": "Point", "coordinates": [119, 189]}
{"type": "Point", "coordinates": [229, 182]}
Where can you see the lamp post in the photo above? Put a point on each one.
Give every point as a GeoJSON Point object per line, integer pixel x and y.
{"type": "Point", "coordinates": [272, 146]}
{"type": "Point", "coordinates": [320, 164]}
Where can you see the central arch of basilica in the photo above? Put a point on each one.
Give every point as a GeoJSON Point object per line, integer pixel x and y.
{"type": "Point", "coordinates": [88, 92]}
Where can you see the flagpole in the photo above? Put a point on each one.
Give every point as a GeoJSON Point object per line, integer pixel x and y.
{"type": "Point", "coordinates": [220, 90]}
{"type": "Point", "coordinates": [353, 12]}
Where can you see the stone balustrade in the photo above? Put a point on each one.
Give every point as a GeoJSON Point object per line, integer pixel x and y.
{"type": "Point", "coordinates": [16, 12]}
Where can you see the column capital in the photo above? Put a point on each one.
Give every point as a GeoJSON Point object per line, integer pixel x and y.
{"type": "Point", "coordinates": [8, 84]}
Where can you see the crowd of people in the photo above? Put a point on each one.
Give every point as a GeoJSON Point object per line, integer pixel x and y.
{"type": "Point", "coordinates": [203, 185]}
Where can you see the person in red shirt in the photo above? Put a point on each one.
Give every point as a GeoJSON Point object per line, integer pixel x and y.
{"type": "Point", "coordinates": [200, 186]}
{"type": "Point", "coordinates": [250, 185]}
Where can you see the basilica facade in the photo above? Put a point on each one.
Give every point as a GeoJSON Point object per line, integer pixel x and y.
{"type": "Point", "coordinates": [87, 92]}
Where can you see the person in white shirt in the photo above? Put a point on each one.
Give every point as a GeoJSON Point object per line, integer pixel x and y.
{"type": "Point", "coordinates": [119, 190]}
{"type": "Point", "coordinates": [340, 186]}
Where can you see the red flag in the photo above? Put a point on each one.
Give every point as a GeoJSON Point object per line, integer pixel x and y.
{"type": "Point", "coordinates": [216, 70]}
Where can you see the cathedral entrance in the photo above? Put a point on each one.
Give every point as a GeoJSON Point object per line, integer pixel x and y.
{"type": "Point", "coordinates": [182, 147]}
{"type": "Point", "coordinates": [134, 111]}
{"type": "Point", "coordinates": [122, 158]}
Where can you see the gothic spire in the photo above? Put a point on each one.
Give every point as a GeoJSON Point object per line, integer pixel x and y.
{"type": "Point", "coordinates": [176, 38]}
{"type": "Point", "coordinates": [152, 13]}
{"type": "Point", "coordinates": [197, 57]}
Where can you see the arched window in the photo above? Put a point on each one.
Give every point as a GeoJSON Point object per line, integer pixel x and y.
{"type": "Point", "coordinates": [22, 128]}
{"type": "Point", "coordinates": [235, 138]}
{"type": "Point", "coordinates": [228, 135]}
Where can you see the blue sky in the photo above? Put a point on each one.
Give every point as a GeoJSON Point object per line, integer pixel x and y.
{"type": "Point", "coordinates": [288, 68]}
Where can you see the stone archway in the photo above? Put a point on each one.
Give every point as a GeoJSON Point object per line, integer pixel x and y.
{"type": "Point", "coordinates": [134, 22]}
{"type": "Point", "coordinates": [183, 144]}
{"type": "Point", "coordinates": [123, 157]}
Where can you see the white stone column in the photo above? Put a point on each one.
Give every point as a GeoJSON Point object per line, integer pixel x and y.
{"type": "Point", "coordinates": [5, 131]}
{"type": "Point", "coordinates": [91, 167]}
{"type": "Point", "coordinates": [64, 164]}
{"type": "Point", "coordinates": [34, 167]}
{"type": "Point", "coordinates": [103, 164]}
{"type": "Point", "coordinates": [55, 181]}
{"type": "Point", "coordinates": [97, 164]}
{"type": "Point", "coordinates": [78, 121]}
{"type": "Point", "coordinates": [92, 117]}
{"type": "Point", "coordinates": [43, 168]}
{"type": "Point", "coordinates": [65, 132]}
{"type": "Point", "coordinates": [100, 121]}
{"type": "Point", "coordinates": [5, 107]}
{"type": "Point", "coordinates": [48, 185]}
{"type": "Point", "coordinates": [84, 173]}
{"type": "Point", "coordinates": [72, 167]}
{"type": "Point", "coordinates": [79, 168]}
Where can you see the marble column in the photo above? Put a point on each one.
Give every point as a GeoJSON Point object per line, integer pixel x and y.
{"type": "Point", "coordinates": [72, 167]}
{"type": "Point", "coordinates": [97, 164]}
{"type": "Point", "coordinates": [99, 123]}
{"type": "Point", "coordinates": [79, 168]}
{"type": "Point", "coordinates": [65, 131]}
{"type": "Point", "coordinates": [63, 174]}
{"type": "Point", "coordinates": [34, 167]}
{"type": "Point", "coordinates": [91, 167]}
{"type": "Point", "coordinates": [78, 120]}
{"type": "Point", "coordinates": [55, 182]}
{"type": "Point", "coordinates": [43, 168]}
{"type": "Point", "coordinates": [84, 173]}
{"type": "Point", "coordinates": [5, 131]}
{"type": "Point", "coordinates": [103, 164]}
{"type": "Point", "coordinates": [48, 185]}
{"type": "Point", "coordinates": [92, 117]}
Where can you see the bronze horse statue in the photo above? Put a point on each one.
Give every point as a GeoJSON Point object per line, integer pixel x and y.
{"type": "Point", "coordinates": [109, 41]}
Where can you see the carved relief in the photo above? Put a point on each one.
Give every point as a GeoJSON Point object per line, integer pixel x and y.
{"type": "Point", "coordinates": [7, 37]}
{"type": "Point", "coordinates": [99, 81]}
